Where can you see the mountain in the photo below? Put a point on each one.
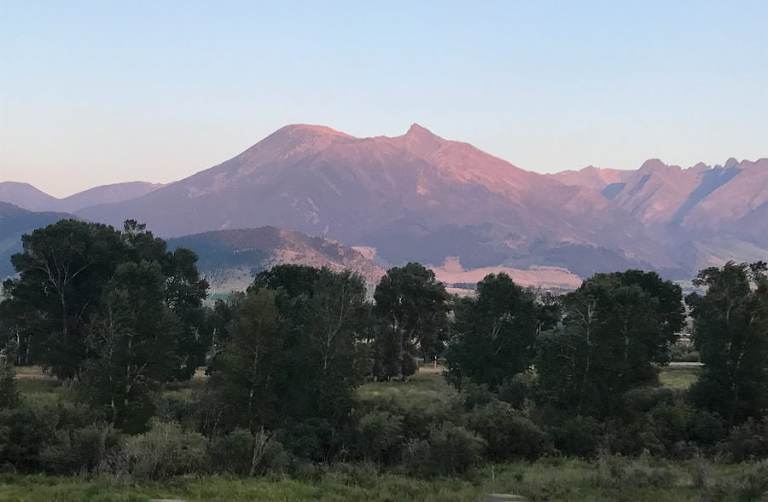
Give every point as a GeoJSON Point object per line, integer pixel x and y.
{"type": "Point", "coordinates": [25, 196]}
{"type": "Point", "coordinates": [421, 197]}
{"type": "Point", "coordinates": [230, 258]}
{"type": "Point", "coordinates": [412, 197]}
{"type": "Point", "coordinates": [28, 197]}
{"type": "Point", "coordinates": [14, 222]}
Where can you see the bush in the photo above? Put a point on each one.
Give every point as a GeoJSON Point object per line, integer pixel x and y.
{"type": "Point", "coordinates": [579, 436]}
{"type": "Point", "coordinates": [517, 390]}
{"type": "Point", "coordinates": [381, 435]}
{"type": "Point", "coordinates": [164, 451]}
{"type": "Point", "coordinates": [24, 432]}
{"type": "Point", "coordinates": [747, 441]}
{"type": "Point", "coordinates": [476, 395]}
{"type": "Point", "coordinates": [233, 453]}
{"type": "Point", "coordinates": [705, 428]}
{"type": "Point", "coordinates": [507, 434]}
{"type": "Point", "coordinates": [449, 450]}
{"type": "Point", "coordinates": [315, 440]}
{"type": "Point", "coordinates": [80, 450]}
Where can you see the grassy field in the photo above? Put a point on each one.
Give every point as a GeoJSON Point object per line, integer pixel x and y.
{"type": "Point", "coordinates": [610, 479]}
{"type": "Point", "coordinates": [553, 480]}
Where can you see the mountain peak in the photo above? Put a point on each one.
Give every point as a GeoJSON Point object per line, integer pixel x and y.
{"type": "Point", "coordinates": [419, 131]}
{"type": "Point", "coordinates": [314, 129]}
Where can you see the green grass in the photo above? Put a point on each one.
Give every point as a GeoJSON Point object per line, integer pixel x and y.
{"type": "Point", "coordinates": [426, 386]}
{"type": "Point", "coordinates": [679, 378]}
{"type": "Point", "coordinates": [553, 480]}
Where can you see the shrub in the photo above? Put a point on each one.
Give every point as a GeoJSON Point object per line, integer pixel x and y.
{"type": "Point", "coordinates": [164, 451]}
{"type": "Point", "coordinates": [314, 439]}
{"type": "Point", "coordinates": [449, 450]}
{"type": "Point", "coordinates": [747, 441]}
{"type": "Point", "coordinates": [381, 435]}
{"type": "Point", "coordinates": [476, 395]}
{"type": "Point", "coordinates": [580, 436]}
{"type": "Point", "coordinates": [81, 449]}
{"type": "Point", "coordinates": [507, 434]}
{"type": "Point", "coordinates": [705, 428]}
{"type": "Point", "coordinates": [518, 389]}
{"type": "Point", "coordinates": [234, 453]}
{"type": "Point", "coordinates": [24, 432]}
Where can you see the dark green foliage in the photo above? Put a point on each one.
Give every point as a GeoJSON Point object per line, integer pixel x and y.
{"type": "Point", "coordinates": [32, 433]}
{"type": "Point", "coordinates": [80, 450]}
{"type": "Point", "coordinates": [133, 343]}
{"type": "Point", "coordinates": [507, 433]}
{"type": "Point", "coordinates": [747, 441]}
{"type": "Point", "coordinates": [381, 436]}
{"type": "Point", "coordinates": [411, 307]}
{"type": "Point", "coordinates": [616, 327]}
{"type": "Point", "coordinates": [9, 393]}
{"type": "Point", "coordinates": [248, 370]}
{"type": "Point", "coordinates": [449, 450]}
{"type": "Point", "coordinates": [233, 453]}
{"type": "Point", "coordinates": [731, 322]}
{"type": "Point", "coordinates": [577, 436]}
{"type": "Point", "coordinates": [64, 272]}
{"type": "Point", "coordinates": [494, 333]}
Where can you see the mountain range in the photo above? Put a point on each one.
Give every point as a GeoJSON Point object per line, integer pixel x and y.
{"type": "Point", "coordinates": [421, 197]}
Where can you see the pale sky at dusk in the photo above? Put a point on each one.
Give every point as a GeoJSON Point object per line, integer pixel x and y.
{"type": "Point", "coordinates": [101, 92]}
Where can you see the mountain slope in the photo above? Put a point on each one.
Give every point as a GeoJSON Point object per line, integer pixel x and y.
{"type": "Point", "coordinates": [30, 198]}
{"type": "Point", "coordinates": [14, 222]}
{"type": "Point", "coordinates": [26, 196]}
{"type": "Point", "coordinates": [413, 197]}
{"type": "Point", "coordinates": [230, 258]}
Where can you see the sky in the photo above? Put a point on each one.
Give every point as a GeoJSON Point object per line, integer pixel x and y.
{"type": "Point", "coordinates": [102, 92]}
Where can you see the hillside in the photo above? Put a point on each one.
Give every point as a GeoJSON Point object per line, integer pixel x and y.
{"type": "Point", "coordinates": [420, 197]}
{"type": "Point", "coordinates": [230, 258]}
{"type": "Point", "coordinates": [30, 198]}
{"type": "Point", "coordinates": [412, 197]}
{"type": "Point", "coordinates": [14, 222]}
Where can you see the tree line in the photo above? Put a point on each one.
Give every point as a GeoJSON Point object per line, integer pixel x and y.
{"type": "Point", "coordinates": [122, 321]}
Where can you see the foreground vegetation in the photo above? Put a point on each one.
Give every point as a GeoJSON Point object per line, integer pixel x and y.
{"type": "Point", "coordinates": [302, 387]}
{"type": "Point", "coordinates": [612, 479]}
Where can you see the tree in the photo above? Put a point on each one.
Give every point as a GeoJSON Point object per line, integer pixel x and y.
{"type": "Point", "coordinates": [494, 333]}
{"type": "Point", "coordinates": [62, 269]}
{"type": "Point", "coordinates": [133, 345]}
{"type": "Point", "coordinates": [731, 334]}
{"type": "Point", "coordinates": [617, 327]}
{"type": "Point", "coordinates": [412, 306]}
{"type": "Point", "coordinates": [249, 369]}
{"type": "Point", "coordinates": [325, 315]}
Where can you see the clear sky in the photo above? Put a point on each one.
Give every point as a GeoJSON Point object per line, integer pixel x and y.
{"type": "Point", "coordinates": [106, 91]}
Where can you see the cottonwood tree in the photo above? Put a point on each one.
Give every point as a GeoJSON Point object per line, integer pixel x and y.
{"type": "Point", "coordinates": [494, 333]}
{"type": "Point", "coordinates": [326, 316]}
{"type": "Point", "coordinates": [62, 272]}
{"type": "Point", "coordinates": [133, 343]}
{"type": "Point", "coordinates": [411, 306]}
{"type": "Point", "coordinates": [616, 329]}
{"type": "Point", "coordinates": [731, 334]}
